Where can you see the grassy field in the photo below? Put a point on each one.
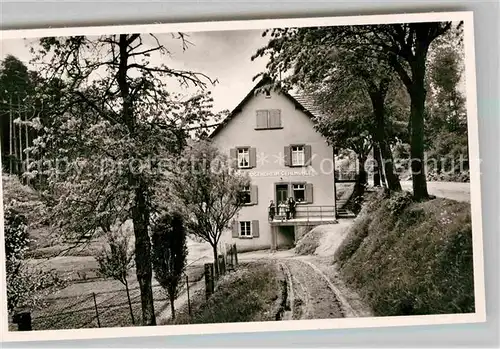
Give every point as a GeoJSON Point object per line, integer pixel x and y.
{"type": "Point", "coordinates": [411, 258]}
{"type": "Point", "coordinates": [252, 293]}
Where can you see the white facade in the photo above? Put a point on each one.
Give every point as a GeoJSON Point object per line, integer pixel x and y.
{"type": "Point", "coordinates": [276, 143]}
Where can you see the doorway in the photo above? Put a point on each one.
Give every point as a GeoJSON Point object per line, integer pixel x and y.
{"type": "Point", "coordinates": [281, 193]}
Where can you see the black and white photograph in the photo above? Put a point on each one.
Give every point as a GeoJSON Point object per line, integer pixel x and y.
{"type": "Point", "coordinates": [259, 175]}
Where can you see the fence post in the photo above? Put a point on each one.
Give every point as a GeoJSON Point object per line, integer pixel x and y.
{"type": "Point", "coordinates": [231, 253]}
{"type": "Point", "coordinates": [96, 311]}
{"type": "Point", "coordinates": [235, 251]}
{"type": "Point", "coordinates": [222, 265]}
{"type": "Point", "coordinates": [23, 320]}
{"type": "Point", "coordinates": [189, 299]}
{"type": "Point", "coordinates": [209, 279]}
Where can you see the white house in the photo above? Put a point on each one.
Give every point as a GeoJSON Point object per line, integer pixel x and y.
{"type": "Point", "coordinates": [271, 136]}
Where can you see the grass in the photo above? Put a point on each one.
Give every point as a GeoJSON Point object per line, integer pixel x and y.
{"type": "Point", "coordinates": [309, 242]}
{"type": "Point", "coordinates": [411, 258]}
{"type": "Point", "coordinates": [252, 293]}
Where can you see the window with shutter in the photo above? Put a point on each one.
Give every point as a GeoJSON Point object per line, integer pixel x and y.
{"type": "Point", "coordinates": [268, 119]}
{"type": "Point", "coordinates": [233, 156]}
{"type": "Point", "coordinates": [245, 229]}
{"type": "Point", "coordinates": [299, 192]}
{"type": "Point", "coordinates": [307, 155]}
{"type": "Point", "coordinates": [309, 193]}
{"type": "Point", "coordinates": [298, 155]}
{"type": "Point", "coordinates": [245, 195]}
{"type": "Point", "coordinates": [253, 157]}
{"type": "Point", "coordinates": [275, 118]}
{"type": "Point", "coordinates": [235, 230]}
{"type": "Point", "coordinates": [287, 156]}
{"type": "Point", "coordinates": [254, 195]}
{"type": "Point", "coordinates": [262, 119]}
{"type": "Point", "coordinates": [255, 228]}
{"type": "Point", "coordinates": [243, 157]}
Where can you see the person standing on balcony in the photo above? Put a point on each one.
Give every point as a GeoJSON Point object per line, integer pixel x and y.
{"type": "Point", "coordinates": [282, 209]}
{"type": "Point", "coordinates": [272, 210]}
{"type": "Point", "coordinates": [291, 207]}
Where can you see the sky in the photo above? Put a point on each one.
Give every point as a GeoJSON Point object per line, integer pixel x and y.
{"type": "Point", "coordinates": [221, 55]}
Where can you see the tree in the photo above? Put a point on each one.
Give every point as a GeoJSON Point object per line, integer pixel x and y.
{"type": "Point", "coordinates": [16, 90]}
{"type": "Point", "coordinates": [27, 285]}
{"type": "Point", "coordinates": [351, 86]}
{"type": "Point", "coordinates": [405, 48]}
{"type": "Point", "coordinates": [169, 254]}
{"type": "Point", "coordinates": [114, 133]}
{"type": "Point", "coordinates": [446, 117]}
{"type": "Point", "coordinates": [116, 260]}
{"type": "Point", "coordinates": [208, 190]}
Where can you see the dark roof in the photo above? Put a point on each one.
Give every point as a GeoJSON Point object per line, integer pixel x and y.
{"type": "Point", "coordinates": [301, 101]}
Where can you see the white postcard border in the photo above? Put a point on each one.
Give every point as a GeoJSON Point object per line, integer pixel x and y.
{"type": "Point", "coordinates": [368, 322]}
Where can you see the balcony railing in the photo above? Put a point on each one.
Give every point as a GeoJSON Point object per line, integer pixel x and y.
{"type": "Point", "coordinates": [309, 213]}
{"type": "Point", "coordinates": [347, 176]}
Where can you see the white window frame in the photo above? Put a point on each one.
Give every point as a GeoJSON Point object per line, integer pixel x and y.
{"type": "Point", "coordinates": [298, 155]}
{"type": "Point", "coordinates": [243, 154]}
{"type": "Point", "coordinates": [245, 229]}
{"type": "Point", "coordinates": [297, 187]}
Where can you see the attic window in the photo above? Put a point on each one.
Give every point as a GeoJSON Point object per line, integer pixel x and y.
{"type": "Point", "coordinates": [268, 93]}
{"type": "Point", "coordinates": [268, 119]}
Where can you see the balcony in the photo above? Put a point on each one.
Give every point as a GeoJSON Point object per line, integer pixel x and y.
{"type": "Point", "coordinates": [307, 215]}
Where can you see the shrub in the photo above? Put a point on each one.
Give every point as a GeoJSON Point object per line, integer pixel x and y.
{"type": "Point", "coordinates": [399, 201]}
{"type": "Point", "coordinates": [26, 285]}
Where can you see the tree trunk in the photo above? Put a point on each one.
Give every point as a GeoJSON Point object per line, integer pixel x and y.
{"type": "Point", "coordinates": [144, 270]}
{"type": "Point", "coordinates": [20, 132]}
{"type": "Point", "coordinates": [216, 261]}
{"type": "Point", "coordinates": [172, 307]}
{"type": "Point", "coordinates": [377, 99]}
{"type": "Point", "coordinates": [359, 186]}
{"type": "Point", "coordinates": [417, 94]}
{"type": "Point", "coordinates": [140, 213]}
{"type": "Point", "coordinates": [129, 303]}
{"type": "Point", "coordinates": [11, 137]}
{"type": "Point", "coordinates": [391, 178]}
{"type": "Point", "coordinates": [377, 173]}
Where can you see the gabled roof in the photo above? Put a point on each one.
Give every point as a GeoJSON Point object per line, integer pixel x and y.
{"type": "Point", "coordinates": [301, 102]}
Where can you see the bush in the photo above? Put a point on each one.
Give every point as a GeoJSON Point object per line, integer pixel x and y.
{"type": "Point", "coordinates": [416, 261]}
{"type": "Point", "coordinates": [399, 201]}
{"type": "Point", "coordinates": [26, 285]}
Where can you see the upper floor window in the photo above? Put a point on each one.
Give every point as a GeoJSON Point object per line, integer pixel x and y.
{"type": "Point", "coordinates": [268, 119]}
{"type": "Point", "coordinates": [298, 155]}
{"type": "Point", "coordinates": [246, 195]}
{"type": "Point", "coordinates": [243, 158]}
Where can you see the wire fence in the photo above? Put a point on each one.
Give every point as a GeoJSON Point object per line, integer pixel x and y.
{"type": "Point", "coordinates": [98, 302]}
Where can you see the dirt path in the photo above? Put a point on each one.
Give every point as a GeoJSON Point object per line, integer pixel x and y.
{"type": "Point", "coordinates": [315, 289]}
{"type": "Point", "coordinates": [309, 296]}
